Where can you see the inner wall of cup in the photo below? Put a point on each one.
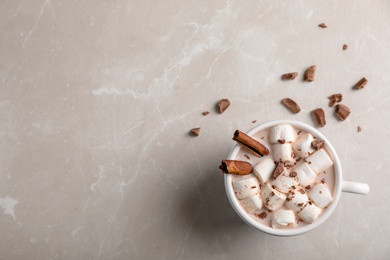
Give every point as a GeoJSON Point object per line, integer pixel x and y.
{"type": "Point", "coordinates": [293, 231]}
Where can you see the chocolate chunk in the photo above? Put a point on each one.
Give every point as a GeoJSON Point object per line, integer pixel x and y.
{"type": "Point", "coordinates": [310, 73]}
{"type": "Point", "coordinates": [322, 25]}
{"type": "Point", "coordinates": [281, 141]}
{"type": "Point", "coordinates": [205, 113]}
{"type": "Point", "coordinates": [345, 47]}
{"type": "Point", "coordinates": [293, 174]}
{"type": "Point", "coordinates": [290, 76]}
{"type": "Point", "coordinates": [307, 187]}
{"type": "Point", "coordinates": [262, 215]}
{"type": "Point", "coordinates": [335, 98]}
{"type": "Point", "coordinates": [195, 131]}
{"type": "Point", "coordinates": [359, 129]}
{"type": "Point", "coordinates": [342, 111]}
{"type": "Point", "coordinates": [278, 170]}
{"type": "Point", "coordinates": [223, 104]}
{"type": "Point", "coordinates": [302, 191]}
{"type": "Point", "coordinates": [291, 105]}
{"type": "Point", "coordinates": [361, 83]}
{"type": "Point", "coordinates": [254, 121]}
{"type": "Point", "coordinates": [319, 116]}
{"type": "Point", "coordinates": [318, 144]}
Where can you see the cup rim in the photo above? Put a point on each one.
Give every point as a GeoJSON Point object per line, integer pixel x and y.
{"type": "Point", "coordinates": [294, 231]}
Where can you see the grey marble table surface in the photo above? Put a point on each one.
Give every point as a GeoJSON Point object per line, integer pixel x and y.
{"type": "Point", "coordinates": [97, 99]}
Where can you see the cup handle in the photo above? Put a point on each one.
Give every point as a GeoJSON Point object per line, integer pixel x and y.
{"type": "Point", "coordinates": [355, 187]}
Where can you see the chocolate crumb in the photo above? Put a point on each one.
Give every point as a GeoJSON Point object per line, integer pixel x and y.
{"type": "Point", "coordinates": [361, 83]}
{"type": "Point", "coordinates": [307, 187]}
{"type": "Point", "coordinates": [319, 116]}
{"type": "Point", "coordinates": [323, 181]}
{"type": "Point", "coordinates": [322, 25]}
{"type": "Point", "coordinates": [293, 174]}
{"type": "Point", "coordinates": [293, 187]}
{"type": "Point", "coordinates": [281, 141]}
{"type": "Point", "coordinates": [262, 138]}
{"type": "Point", "coordinates": [335, 98]}
{"type": "Point", "coordinates": [278, 170]}
{"type": "Point", "coordinates": [291, 105]}
{"type": "Point", "coordinates": [310, 73]}
{"type": "Point", "coordinates": [273, 186]}
{"type": "Point", "coordinates": [300, 204]}
{"type": "Point", "coordinates": [254, 121]}
{"type": "Point", "coordinates": [302, 191]}
{"type": "Point", "coordinates": [246, 156]}
{"type": "Point", "coordinates": [310, 202]}
{"type": "Point", "coordinates": [318, 144]}
{"type": "Point", "coordinates": [262, 215]}
{"type": "Point", "coordinates": [359, 129]}
{"type": "Point", "coordinates": [288, 199]}
{"type": "Point", "coordinates": [205, 113]}
{"type": "Point", "coordinates": [342, 111]}
{"type": "Point", "coordinates": [272, 193]}
{"type": "Point", "coordinates": [345, 47]}
{"type": "Point", "coordinates": [290, 76]}
{"type": "Point", "coordinates": [299, 132]}
{"type": "Point", "coordinates": [223, 104]}
{"type": "Point", "coordinates": [253, 187]}
{"type": "Point", "coordinates": [195, 131]}
{"type": "Point", "coordinates": [320, 192]}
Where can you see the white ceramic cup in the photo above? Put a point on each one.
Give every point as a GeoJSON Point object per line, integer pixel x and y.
{"type": "Point", "coordinates": [340, 185]}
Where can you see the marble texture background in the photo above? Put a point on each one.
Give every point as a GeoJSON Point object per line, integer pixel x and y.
{"type": "Point", "coordinates": [97, 99]}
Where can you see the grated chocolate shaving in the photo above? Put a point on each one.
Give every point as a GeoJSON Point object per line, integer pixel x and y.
{"type": "Point", "coordinates": [342, 111]}
{"type": "Point", "coordinates": [361, 83]}
{"type": "Point", "coordinates": [335, 98]}
{"type": "Point", "coordinates": [195, 131]}
{"type": "Point", "coordinates": [310, 73]}
{"type": "Point", "coordinates": [291, 105]}
{"type": "Point", "coordinates": [318, 144]}
{"type": "Point", "coordinates": [223, 104]}
{"type": "Point", "coordinates": [278, 170]}
{"type": "Point", "coordinates": [319, 116]}
{"type": "Point", "coordinates": [290, 76]}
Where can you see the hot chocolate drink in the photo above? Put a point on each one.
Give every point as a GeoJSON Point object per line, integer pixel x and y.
{"type": "Point", "coordinates": [292, 178]}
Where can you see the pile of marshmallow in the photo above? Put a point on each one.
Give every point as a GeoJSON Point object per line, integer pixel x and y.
{"type": "Point", "coordinates": [286, 195]}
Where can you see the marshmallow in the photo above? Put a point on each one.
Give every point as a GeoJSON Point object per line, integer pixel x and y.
{"type": "Point", "coordinates": [283, 218]}
{"type": "Point", "coordinates": [283, 153]}
{"type": "Point", "coordinates": [245, 187]}
{"type": "Point", "coordinates": [305, 174]}
{"type": "Point", "coordinates": [319, 161]}
{"type": "Point", "coordinates": [272, 198]}
{"type": "Point", "coordinates": [252, 203]}
{"type": "Point", "coordinates": [284, 183]}
{"type": "Point", "coordinates": [309, 213]}
{"type": "Point", "coordinates": [320, 195]}
{"type": "Point", "coordinates": [281, 132]}
{"type": "Point", "coordinates": [296, 200]}
{"type": "Point", "coordinates": [264, 169]}
{"type": "Point", "coordinates": [302, 147]}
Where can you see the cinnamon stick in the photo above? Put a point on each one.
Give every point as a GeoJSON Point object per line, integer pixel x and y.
{"type": "Point", "coordinates": [251, 144]}
{"type": "Point", "coordinates": [235, 167]}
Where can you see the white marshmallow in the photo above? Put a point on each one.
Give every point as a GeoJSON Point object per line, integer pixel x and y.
{"type": "Point", "coordinates": [264, 169]}
{"type": "Point", "coordinates": [283, 218]}
{"type": "Point", "coordinates": [302, 147]}
{"type": "Point", "coordinates": [305, 174]}
{"type": "Point", "coordinates": [272, 198]}
{"type": "Point", "coordinates": [252, 203]}
{"type": "Point", "coordinates": [296, 200]}
{"type": "Point", "coordinates": [320, 195]}
{"type": "Point", "coordinates": [319, 161]}
{"type": "Point", "coordinates": [284, 183]}
{"type": "Point", "coordinates": [245, 187]}
{"type": "Point", "coordinates": [281, 132]}
{"type": "Point", "coordinates": [283, 153]}
{"type": "Point", "coordinates": [309, 213]}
